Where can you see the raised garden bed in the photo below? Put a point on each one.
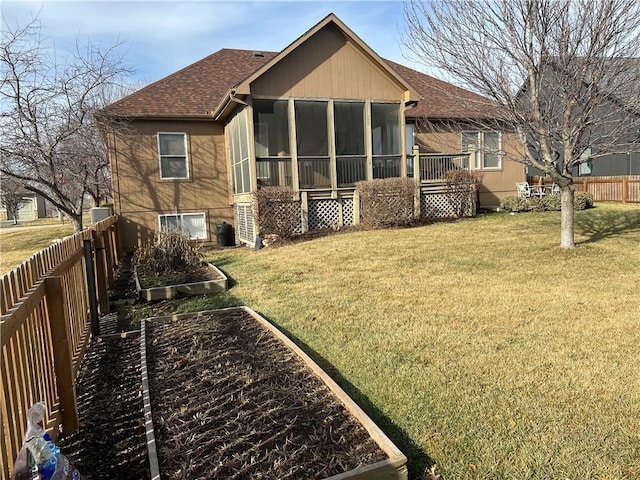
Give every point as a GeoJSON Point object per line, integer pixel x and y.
{"type": "Point", "coordinates": [231, 397]}
{"type": "Point", "coordinates": [208, 280]}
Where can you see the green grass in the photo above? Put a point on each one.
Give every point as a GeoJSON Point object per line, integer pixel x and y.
{"type": "Point", "coordinates": [478, 345]}
{"type": "Point", "coordinates": [18, 245]}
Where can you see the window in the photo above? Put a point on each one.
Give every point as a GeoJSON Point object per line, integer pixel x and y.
{"type": "Point", "coordinates": [385, 139]}
{"type": "Point", "coordinates": [172, 148]}
{"type": "Point", "coordinates": [586, 167]}
{"type": "Point", "coordinates": [351, 160]}
{"type": "Point", "coordinates": [312, 141]}
{"type": "Point", "coordinates": [488, 145]}
{"type": "Point", "coordinates": [271, 134]}
{"type": "Point", "coordinates": [409, 130]}
{"type": "Point", "coordinates": [194, 223]}
{"type": "Point", "coordinates": [239, 146]}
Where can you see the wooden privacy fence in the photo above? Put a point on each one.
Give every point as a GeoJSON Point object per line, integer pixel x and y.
{"type": "Point", "coordinates": [625, 189]}
{"type": "Point", "coordinates": [45, 329]}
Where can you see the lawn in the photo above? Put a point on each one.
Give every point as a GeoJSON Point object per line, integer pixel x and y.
{"type": "Point", "coordinates": [477, 345]}
{"type": "Point", "coordinates": [17, 245]}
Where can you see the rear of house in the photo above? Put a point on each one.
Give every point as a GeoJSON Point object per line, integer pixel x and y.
{"type": "Point", "coordinates": [319, 116]}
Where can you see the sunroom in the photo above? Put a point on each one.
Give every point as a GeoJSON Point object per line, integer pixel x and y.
{"type": "Point", "coordinates": [319, 148]}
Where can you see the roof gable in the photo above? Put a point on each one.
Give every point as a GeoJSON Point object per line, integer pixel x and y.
{"type": "Point", "coordinates": [328, 22]}
{"type": "Point", "coordinates": [204, 88]}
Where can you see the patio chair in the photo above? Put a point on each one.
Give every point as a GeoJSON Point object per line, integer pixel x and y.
{"type": "Point", "coordinates": [523, 189]}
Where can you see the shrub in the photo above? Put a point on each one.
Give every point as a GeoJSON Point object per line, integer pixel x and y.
{"type": "Point", "coordinates": [536, 204]}
{"type": "Point", "coordinates": [386, 202]}
{"type": "Point", "coordinates": [514, 204]}
{"type": "Point", "coordinates": [169, 252]}
{"type": "Point", "coordinates": [549, 203]}
{"type": "Point", "coordinates": [552, 203]}
{"type": "Point", "coordinates": [461, 191]}
{"type": "Point", "coordinates": [277, 212]}
{"type": "Point", "coordinates": [582, 200]}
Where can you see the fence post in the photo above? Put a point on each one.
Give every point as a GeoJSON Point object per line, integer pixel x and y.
{"type": "Point", "coordinates": [62, 355]}
{"type": "Point", "coordinates": [109, 255]}
{"type": "Point", "coordinates": [91, 287]}
{"type": "Point", "coordinates": [101, 272]}
{"type": "Point", "coordinates": [625, 190]}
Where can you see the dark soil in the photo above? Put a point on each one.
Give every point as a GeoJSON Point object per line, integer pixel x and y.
{"type": "Point", "coordinates": [110, 443]}
{"type": "Point", "coordinates": [231, 401]}
{"type": "Point", "coordinates": [202, 274]}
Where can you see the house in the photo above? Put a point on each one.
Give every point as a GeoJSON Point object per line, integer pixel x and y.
{"type": "Point", "coordinates": [29, 206]}
{"type": "Point", "coordinates": [613, 109]}
{"type": "Point", "coordinates": [318, 116]}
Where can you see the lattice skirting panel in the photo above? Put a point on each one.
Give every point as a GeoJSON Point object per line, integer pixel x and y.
{"type": "Point", "coordinates": [435, 205]}
{"type": "Point", "coordinates": [329, 214]}
{"type": "Point", "coordinates": [243, 216]}
{"type": "Point", "coordinates": [347, 212]}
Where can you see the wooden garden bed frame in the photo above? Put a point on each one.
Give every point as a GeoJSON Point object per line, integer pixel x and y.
{"type": "Point", "coordinates": [393, 468]}
{"type": "Point", "coordinates": [167, 292]}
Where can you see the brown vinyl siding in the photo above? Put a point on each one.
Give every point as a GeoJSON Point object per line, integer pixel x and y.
{"type": "Point", "coordinates": [496, 183]}
{"type": "Point", "coordinates": [327, 65]}
{"type": "Point", "coordinates": [139, 193]}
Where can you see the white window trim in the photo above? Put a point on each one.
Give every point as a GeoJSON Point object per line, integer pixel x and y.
{"type": "Point", "coordinates": [186, 155]}
{"type": "Point", "coordinates": [180, 215]}
{"type": "Point", "coordinates": [480, 148]}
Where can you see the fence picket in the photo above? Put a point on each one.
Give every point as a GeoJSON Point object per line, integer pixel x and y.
{"type": "Point", "coordinates": [44, 334]}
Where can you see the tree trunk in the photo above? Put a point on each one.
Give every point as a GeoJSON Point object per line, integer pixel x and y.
{"type": "Point", "coordinates": [76, 221]}
{"type": "Point", "coordinates": [567, 236]}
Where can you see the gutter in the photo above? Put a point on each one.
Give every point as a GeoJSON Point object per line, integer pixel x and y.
{"type": "Point", "coordinates": [230, 100]}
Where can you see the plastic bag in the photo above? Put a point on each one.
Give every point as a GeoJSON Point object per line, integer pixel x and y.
{"type": "Point", "coordinates": [39, 458]}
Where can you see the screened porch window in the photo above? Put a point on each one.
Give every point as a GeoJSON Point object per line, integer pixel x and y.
{"type": "Point", "coordinates": [239, 143]}
{"type": "Point", "coordinates": [172, 148]}
{"type": "Point", "coordinates": [312, 141]}
{"type": "Point", "coordinates": [194, 223]}
{"type": "Point", "coordinates": [351, 159]}
{"type": "Point", "coordinates": [385, 138]}
{"type": "Point", "coordinates": [271, 134]}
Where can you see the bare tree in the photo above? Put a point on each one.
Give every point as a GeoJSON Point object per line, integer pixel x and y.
{"type": "Point", "coordinates": [12, 198]}
{"type": "Point", "coordinates": [49, 137]}
{"type": "Point", "coordinates": [559, 74]}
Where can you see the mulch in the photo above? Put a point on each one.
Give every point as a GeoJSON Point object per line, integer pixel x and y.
{"type": "Point", "coordinates": [229, 402]}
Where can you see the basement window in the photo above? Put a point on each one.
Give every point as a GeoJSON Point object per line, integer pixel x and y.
{"type": "Point", "coordinates": [194, 223]}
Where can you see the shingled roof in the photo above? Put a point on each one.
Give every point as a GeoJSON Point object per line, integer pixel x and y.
{"type": "Point", "coordinates": [440, 99]}
{"type": "Point", "coordinates": [196, 90]}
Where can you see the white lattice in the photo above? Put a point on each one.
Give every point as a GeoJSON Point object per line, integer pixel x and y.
{"type": "Point", "coordinates": [435, 205]}
{"type": "Point", "coordinates": [285, 213]}
{"type": "Point", "coordinates": [438, 205]}
{"type": "Point", "coordinates": [347, 212]}
{"type": "Point", "coordinates": [323, 214]}
{"type": "Point", "coordinates": [243, 214]}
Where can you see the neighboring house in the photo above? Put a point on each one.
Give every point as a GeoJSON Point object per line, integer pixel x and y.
{"type": "Point", "coordinates": [625, 98]}
{"type": "Point", "coordinates": [319, 116]}
{"type": "Point", "coordinates": [30, 207]}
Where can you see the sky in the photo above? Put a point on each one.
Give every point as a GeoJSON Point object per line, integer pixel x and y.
{"type": "Point", "coordinates": [161, 36]}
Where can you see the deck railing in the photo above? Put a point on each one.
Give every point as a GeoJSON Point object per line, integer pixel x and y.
{"type": "Point", "coordinates": [45, 328]}
{"type": "Point", "coordinates": [433, 166]}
